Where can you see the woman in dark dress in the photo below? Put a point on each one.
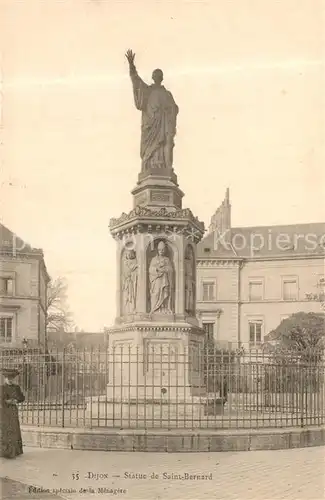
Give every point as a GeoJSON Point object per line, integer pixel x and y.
{"type": "Point", "coordinates": [10, 436]}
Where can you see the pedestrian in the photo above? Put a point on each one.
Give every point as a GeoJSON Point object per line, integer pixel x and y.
{"type": "Point", "coordinates": [10, 395]}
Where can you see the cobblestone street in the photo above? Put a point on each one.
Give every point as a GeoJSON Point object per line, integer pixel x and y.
{"type": "Point", "coordinates": [296, 474]}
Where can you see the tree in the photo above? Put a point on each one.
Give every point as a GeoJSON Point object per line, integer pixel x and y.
{"type": "Point", "coordinates": [297, 353]}
{"type": "Point", "coordinates": [320, 295]}
{"type": "Point", "coordinates": [58, 316]}
{"type": "Point", "coordinates": [300, 332]}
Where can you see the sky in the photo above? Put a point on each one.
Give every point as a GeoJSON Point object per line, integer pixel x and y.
{"type": "Point", "coordinates": [248, 77]}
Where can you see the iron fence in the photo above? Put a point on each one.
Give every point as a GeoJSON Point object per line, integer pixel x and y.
{"type": "Point", "coordinates": [167, 387]}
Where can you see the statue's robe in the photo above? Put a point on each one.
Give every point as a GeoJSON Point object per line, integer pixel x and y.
{"type": "Point", "coordinates": [130, 284]}
{"type": "Point", "coordinates": [189, 286]}
{"type": "Point", "coordinates": [161, 284]}
{"type": "Point", "coordinates": [158, 125]}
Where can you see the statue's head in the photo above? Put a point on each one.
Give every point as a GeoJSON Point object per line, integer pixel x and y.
{"type": "Point", "coordinates": [157, 76]}
{"type": "Point", "coordinates": [161, 248]}
{"type": "Point", "coordinates": [130, 254]}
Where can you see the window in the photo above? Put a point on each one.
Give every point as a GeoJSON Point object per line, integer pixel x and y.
{"type": "Point", "coordinates": [6, 324]}
{"type": "Point", "coordinates": [6, 286]}
{"type": "Point", "coordinates": [208, 291]}
{"type": "Point", "coordinates": [290, 289]}
{"type": "Point", "coordinates": [255, 332]}
{"type": "Point", "coordinates": [209, 329]}
{"type": "Point", "coordinates": [255, 290]}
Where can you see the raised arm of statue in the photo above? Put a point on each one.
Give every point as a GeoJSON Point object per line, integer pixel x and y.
{"type": "Point", "coordinates": [130, 55]}
{"type": "Point", "coordinates": [140, 88]}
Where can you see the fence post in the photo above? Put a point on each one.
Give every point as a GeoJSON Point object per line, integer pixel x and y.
{"type": "Point", "coordinates": [302, 390]}
{"type": "Point", "coordinates": [257, 385]}
{"type": "Point", "coordinates": [63, 385]}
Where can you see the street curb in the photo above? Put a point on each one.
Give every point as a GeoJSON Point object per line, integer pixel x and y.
{"type": "Point", "coordinates": [172, 441]}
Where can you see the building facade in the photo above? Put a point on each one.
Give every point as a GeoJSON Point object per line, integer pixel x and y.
{"type": "Point", "coordinates": [23, 285]}
{"type": "Point", "coordinates": [249, 279]}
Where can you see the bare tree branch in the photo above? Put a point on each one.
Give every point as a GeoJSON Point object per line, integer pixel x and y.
{"type": "Point", "coordinates": [58, 314]}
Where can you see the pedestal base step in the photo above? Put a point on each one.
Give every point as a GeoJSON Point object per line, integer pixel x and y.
{"type": "Point", "coordinates": [154, 409]}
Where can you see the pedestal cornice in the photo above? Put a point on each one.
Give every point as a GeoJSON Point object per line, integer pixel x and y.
{"type": "Point", "coordinates": [148, 318]}
{"type": "Point", "coordinates": [152, 328]}
{"type": "Point", "coordinates": [144, 219]}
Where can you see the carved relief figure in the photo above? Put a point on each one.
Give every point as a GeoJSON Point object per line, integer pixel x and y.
{"type": "Point", "coordinates": [130, 282]}
{"type": "Point", "coordinates": [161, 281]}
{"type": "Point", "coordinates": [189, 281]}
{"type": "Point", "coordinates": [159, 113]}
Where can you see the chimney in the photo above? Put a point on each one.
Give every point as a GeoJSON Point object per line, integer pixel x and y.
{"type": "Point", "coordinates": [214, 221]}
{"type": "Point", "coordinates": [221, 219]}
{"type": "Point", "coordinates": [227, 211]}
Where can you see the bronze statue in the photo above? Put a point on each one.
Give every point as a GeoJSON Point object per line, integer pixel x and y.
{"type": "Point", "coordinates": [159, 114]}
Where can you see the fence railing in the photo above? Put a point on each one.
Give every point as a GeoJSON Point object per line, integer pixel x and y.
{"type": "Point", "coordinates": [168, 387]}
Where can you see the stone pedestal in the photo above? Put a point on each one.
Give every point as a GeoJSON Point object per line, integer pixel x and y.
{"type": "Point", "coordinates": [156, 362]}
{"type": "Point", "coordinates": [156, 191]}
{"type": "Point", "coordinates": [156, 344]}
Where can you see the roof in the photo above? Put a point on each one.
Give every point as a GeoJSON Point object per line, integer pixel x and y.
{"type": "Point", "coordinates": [79, 340]}
{"type": "Point", "coordinates": [262, 242]}
{"type": "Point", "coordinates": [11, 243]}
{"type": "Point", "coordinates": [90, 339]}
